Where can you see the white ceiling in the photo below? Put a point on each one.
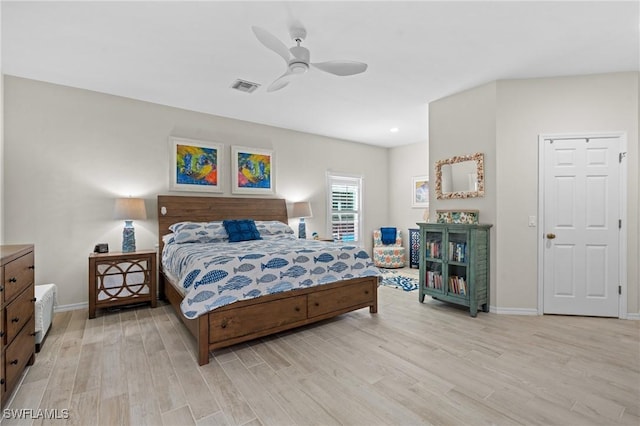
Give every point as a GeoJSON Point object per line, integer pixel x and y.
{"type": "Point", "coordinates": [187, 55]}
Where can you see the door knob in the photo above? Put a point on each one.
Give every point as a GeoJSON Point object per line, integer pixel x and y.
{"type": "Point", "coordinates": [551, 236]}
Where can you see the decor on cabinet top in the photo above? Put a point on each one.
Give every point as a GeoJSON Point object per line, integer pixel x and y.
{"type": "Point", "coordinates": [252, 170]}
{"type": "Point", "coordinates": [195, 165]}
{"type": "Point", "coordinates": [457, 216]}
{"type": "Point", "coordinates": [460, 177]}
{"type": "Point", "coordinates": [420, 191]}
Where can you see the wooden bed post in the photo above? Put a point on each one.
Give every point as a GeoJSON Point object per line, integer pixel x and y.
{"type": "Point", "coordinates": [373, 309]}
{"type": "Point", "coordinates": [203, 340]}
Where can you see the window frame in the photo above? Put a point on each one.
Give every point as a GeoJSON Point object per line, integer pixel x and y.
{"type": "Point", "coordinates": [334, 178]}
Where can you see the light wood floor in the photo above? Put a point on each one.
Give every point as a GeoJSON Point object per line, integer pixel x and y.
{"type": "Point", "coordinates": [409, 364]}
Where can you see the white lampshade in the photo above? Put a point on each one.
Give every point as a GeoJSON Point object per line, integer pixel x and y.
{"type": "Point", "coordinates": [301, 209]}
{"type": "Point", "coordinates": [130, 209]}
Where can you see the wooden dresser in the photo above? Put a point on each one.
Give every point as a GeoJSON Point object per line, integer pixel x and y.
{"type": "Point", "coordinates": [17, 322]}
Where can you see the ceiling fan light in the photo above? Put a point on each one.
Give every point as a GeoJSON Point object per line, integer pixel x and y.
{"type": "Point", "coordinates": [298, 67]}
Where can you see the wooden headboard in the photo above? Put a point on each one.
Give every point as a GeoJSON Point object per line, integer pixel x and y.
{"type": "Point", "coordinates": [205, 209]}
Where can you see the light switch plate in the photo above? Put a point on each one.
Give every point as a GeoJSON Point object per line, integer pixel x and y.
{"type": "Point", "coordinates": [532, 221]}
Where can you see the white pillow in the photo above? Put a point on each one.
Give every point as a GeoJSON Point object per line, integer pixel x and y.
{"type": "Point", "coordinates": [199, 232]}
{"type": "Point", "coordinates": [272, 227]}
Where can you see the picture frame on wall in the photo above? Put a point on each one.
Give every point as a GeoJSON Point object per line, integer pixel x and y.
{"type": "Point", "coordinates": [252, 170]}
{"type": "Point", "coordinates": [196, 165]}
{"type": "Point", "coordinates": [420, 191]}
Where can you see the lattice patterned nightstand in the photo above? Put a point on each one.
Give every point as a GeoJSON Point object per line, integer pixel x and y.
{"type": "Point", "coordinates": [414, 248]}
{"type": "Point", "coordinates": [121, 279]}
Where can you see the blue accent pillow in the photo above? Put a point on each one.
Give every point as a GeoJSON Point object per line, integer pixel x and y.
{"type": "Point", "coordinates": [388, 235]}
{"type": "Point", "coordinates": [241, 230]}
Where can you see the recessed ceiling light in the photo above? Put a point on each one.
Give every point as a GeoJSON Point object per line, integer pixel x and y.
{"type": "Point", "coordinates": [394, 130]}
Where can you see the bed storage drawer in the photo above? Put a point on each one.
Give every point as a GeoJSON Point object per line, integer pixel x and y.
{"type": "Point", "coordinates": [324, 302]}
{"type": "Point", "coordinates": [226, 324]}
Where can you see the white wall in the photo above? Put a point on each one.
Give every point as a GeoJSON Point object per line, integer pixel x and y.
{"type": "Point", "coordinates": [405, 162]}
{"type": "Point", "coordinates": [463, 124]}
{"type": "Point", "coordinates": [70, 152]}
{"type": "Point", "coordinates": [526, 109]}
{"type": "Point", "coordinates": [503, 119]}
{"type": "Point", "coordinates": [1, 139]}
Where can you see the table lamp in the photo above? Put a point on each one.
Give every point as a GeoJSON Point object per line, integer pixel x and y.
{"type": "Point", "coordinates": [301, 210]}
{"type": "Point", "coordinates": [129, 209]}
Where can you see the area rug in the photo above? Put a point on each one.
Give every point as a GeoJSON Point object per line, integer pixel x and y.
{"type": "Point", "coordinates": [394, 279]}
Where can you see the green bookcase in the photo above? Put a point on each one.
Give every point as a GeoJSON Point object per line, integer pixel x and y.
{"type": "Point", "coordinates": [454, 264]}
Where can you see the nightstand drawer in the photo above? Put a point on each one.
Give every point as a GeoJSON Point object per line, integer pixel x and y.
{"type": "Point", "coordinates": [18, 275]}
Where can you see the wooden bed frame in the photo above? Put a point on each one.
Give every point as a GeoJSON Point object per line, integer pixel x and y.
{"type": "Point", "coordinates": [250, 319]}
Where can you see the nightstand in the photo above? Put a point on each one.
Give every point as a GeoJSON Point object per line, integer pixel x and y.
{"type": "Point", "coordinates": [118, 278]}
{"type": "Point", "coordinates": [414, 248]}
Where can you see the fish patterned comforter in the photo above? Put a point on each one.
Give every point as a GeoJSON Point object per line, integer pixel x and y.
{"type": "Point", "coordinates": [217, 274]}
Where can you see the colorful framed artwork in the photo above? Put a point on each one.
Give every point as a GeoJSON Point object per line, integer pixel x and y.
{"type": "Point", "coordinates": [195, 165]}
{"type": "Point", "coordinates": [420, 191]}
{"type": "Point", "coordinates": [252, 170]}
{"type": "Point", "coordinates": [457, 216]}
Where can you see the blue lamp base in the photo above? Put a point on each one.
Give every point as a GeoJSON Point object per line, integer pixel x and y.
{"type": "Point", "coordinates": [128, 237]}
{"type": "Point", "coordinates": [302, 229]}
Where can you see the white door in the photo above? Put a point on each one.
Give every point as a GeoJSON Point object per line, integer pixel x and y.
{"type": "Point", "coordinates": [581, 226]}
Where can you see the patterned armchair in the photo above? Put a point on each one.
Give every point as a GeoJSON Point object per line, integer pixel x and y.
{"type": "Point", "coordinates": [388, 255]}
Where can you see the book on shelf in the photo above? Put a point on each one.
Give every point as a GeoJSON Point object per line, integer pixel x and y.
{"type": "Point", "coordinates": [434, 280]}
{"type": "Point", "coordinates": [457, 251]}
{"type": "Point", "coordinates": [458, 285]}
{"type": "Point", "coordinates": [433, 249]}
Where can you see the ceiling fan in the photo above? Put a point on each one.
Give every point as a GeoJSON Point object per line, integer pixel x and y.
{"type": "Point", "coordinates": [297, 58]}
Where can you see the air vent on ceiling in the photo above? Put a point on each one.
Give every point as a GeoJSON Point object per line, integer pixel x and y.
{"type": "Point", "coordinates": [244, 86]}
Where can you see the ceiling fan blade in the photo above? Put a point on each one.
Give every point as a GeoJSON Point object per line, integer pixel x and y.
{"type": "Point", "coordinates": [271, 42]}
{"type": "Point", "coordinates": [341, 68]}
{"type": "Point", "coordinates": [281, 81]}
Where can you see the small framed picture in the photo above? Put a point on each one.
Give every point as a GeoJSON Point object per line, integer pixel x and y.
{"type": "Point", "coordinates": [457, 216]}
{"type": "Point", "coordinates": [195, 165]}
{"type": "Point", "coordinates": [252, 170]}
{"type": "Point", "coordinates": [420, 191]}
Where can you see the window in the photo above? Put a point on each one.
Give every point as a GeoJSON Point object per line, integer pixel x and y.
{"type": "Point", "coordinates": [344, 204]}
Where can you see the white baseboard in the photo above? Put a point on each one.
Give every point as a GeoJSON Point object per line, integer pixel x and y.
{"type": "Point", "coordinates": [71, 307]}
{"type": "Point", "coordinates": [512, 311]}
{"type": "Point", "coordinates": [524, 311]}
{"type": "Point", "coordinates": [492, 309]}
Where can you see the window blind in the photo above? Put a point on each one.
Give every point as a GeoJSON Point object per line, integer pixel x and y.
{"type": "Point", "coordinates": [345, 207]}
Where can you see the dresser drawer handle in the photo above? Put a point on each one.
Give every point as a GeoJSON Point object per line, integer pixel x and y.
{"type": "Point", "coordinates": [34, 299]}
{"type": "Point", "coordinates": [2, 333]}
{"type": "Point", "coordinates": [1, 288]}
{"type": "Point", "coordinates": [297, 308]}
{"type": "Point", "coordinates": [14, 362]}
{"type": "Point", "coordinates": [317, 304]}
{"type": "Point", "coordinates": [366, 292]}
{"type": "Point", "coordinates": [32, 334]}
{"type": "Point", "coordinates": [1, 381]}
{"type": "Point", "coordinates": [13, 280]}
{"type": "Point", "coordinates": [32, 267]}
{"type": "Point", "coordinates": [16, 319]}
{"type": "Point", "coordinates": [224, 323]}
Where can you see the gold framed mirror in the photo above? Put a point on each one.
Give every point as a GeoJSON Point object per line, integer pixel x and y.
{"type": "Point", "coordinates": [460, 177]}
